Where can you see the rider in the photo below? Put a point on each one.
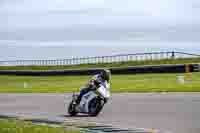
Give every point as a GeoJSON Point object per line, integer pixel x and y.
{"type": "Point", "coordinates": [94, 83]}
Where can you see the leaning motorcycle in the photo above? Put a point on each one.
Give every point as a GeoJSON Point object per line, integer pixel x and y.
{"type": "Point", "coordinates": [92, 102]}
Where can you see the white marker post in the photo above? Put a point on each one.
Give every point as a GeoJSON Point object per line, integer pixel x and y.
{"type": "Point", "coordinates": [181, 79]}
{"type": "Point", "coordinates": [25, 85]}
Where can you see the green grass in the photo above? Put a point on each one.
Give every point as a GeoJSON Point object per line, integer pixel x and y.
{"type": "Point", "coordinates": [105, 65]}
{"type": "Point", "coordinates": [119, 83]}
{"type": "Point", "coordinates": [16, 126]}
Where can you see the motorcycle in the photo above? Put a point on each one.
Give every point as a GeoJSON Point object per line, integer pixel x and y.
{"type": "Point", "coordinates": [92, 102]}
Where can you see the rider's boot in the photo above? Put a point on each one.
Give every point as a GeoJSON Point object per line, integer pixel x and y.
{"type": "Point", "coordinates": [78, 99]}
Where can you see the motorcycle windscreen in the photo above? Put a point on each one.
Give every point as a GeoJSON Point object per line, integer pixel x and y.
{"type": "Point", "coordinates": [103, 91]}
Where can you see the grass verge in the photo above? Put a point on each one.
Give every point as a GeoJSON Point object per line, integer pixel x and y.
{"type": "Point", "coordinates": [119, 83]}
{"type": "Point", "coordinates": [17, 126]}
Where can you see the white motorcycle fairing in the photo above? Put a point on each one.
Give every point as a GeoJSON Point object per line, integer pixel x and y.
{"type": "Point", "coordinates": [103, 90]}
{"type": "Point", "coordinates": [85, 100]}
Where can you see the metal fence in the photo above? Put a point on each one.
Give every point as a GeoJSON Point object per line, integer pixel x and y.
{"type": "Point", "coordinates": [101, 59]}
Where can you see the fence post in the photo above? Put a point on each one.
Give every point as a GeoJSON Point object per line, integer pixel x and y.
{"type": "Point", "coordinates": [46, 62]}
{"type": "Point", "coordinates": [111, 59]}
{"type": "Point", "coordinates": [43, 62]}
{"type": "Point", "coordinates": [146, 56]}
{"type": "Point", "coordinates": [96, 60]}
{"type": "Point", "coordinates": [173, 55]}
{"type": "Point", "coordinates": [64, 62]}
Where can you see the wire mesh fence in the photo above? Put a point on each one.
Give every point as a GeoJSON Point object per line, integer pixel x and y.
{"type": "Point", "coordinates": [101, 59]}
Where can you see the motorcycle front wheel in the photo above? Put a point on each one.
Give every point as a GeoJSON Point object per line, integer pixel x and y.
{"type": "Point", "coordinates": [95, 107]}
{"type": "Point", "coordinates": [71, 109]}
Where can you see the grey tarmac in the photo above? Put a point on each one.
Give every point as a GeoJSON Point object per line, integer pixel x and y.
{"type": "Point", "coordinates": [167, 112]}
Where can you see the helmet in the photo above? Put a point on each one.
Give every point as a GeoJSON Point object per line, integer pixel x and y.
{"type": "Point", "coordinates": [105, 74]}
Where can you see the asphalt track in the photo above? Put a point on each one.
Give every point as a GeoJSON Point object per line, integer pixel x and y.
{"type": "Point", "coordinates": [170, 112]}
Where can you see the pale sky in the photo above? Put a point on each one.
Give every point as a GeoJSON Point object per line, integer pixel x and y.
{"type": "Point", "coordinates": [99, 22]}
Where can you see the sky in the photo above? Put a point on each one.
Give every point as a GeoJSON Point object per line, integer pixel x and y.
{"type": "Point", "coordinates": [49, 29]}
